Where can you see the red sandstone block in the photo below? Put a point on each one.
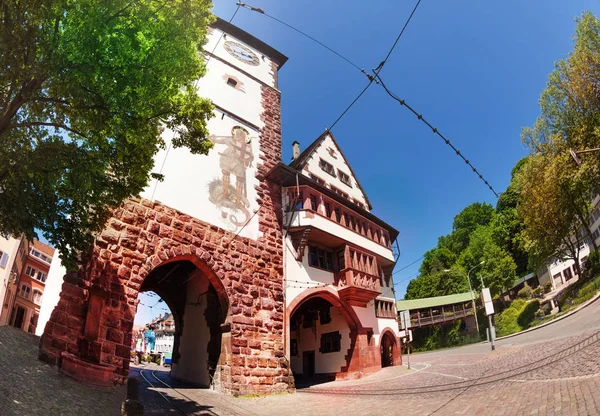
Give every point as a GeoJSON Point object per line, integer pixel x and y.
{"type": "Point", "coordinates": [242, 320]}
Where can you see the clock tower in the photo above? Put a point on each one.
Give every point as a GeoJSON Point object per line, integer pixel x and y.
{"type": "Point", "coordinates": [207, 240]}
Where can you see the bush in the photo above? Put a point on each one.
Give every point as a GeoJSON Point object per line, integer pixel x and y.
{"type": "Point", "coordinates": [548, 287]}
{"type": "Point", "coordinates": [526, 292]}
{"type": "Point", "coordinates": [593, 263]}
{"type": "Point", "coordinates": [538, 292]}
{"type": "Point", "coordinates": [527, 315]}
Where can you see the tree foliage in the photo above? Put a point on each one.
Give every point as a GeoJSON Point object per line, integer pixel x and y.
{"type": "Point", "coordinates": [86, 88]}
{"type": "Point", "coordinates": [556, 192]}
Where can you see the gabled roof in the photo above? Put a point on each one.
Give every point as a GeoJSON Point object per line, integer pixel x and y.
{"type": "Point", "coordinates": [413, 304]}
{"type": "Point", "coordinates": [300, 162]}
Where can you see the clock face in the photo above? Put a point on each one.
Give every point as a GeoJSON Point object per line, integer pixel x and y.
{"type": "Point", "coordinates": [241, 52]}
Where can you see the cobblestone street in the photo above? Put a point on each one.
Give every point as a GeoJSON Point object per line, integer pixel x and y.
{"type": "Point", "coordinates": [558, 376]}
{"type": "Point", "coordinates": [554, 370]}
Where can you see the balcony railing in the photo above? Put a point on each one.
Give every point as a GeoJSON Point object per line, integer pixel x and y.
{"type": "Point", "coordinates": [311, 200]}
{"type": "Point", "coordinates": [356, 286]}
{"type": "Point", "coordinates": [439, 315]}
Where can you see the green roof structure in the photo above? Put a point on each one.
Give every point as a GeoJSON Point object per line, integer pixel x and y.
{"type": "Point", "coordinates": [414, 304]}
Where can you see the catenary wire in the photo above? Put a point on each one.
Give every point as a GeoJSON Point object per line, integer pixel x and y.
{"type": "Point", "coordinates": [379, 67]}
{"type": "Point", "coordinates": [435, 131]}
{"type": "Point", "coordinates": [261, 11]}
{"type": "Point", "coordinates": [372, 79]}
{"type": "Point", "coordinates": [408, 265]}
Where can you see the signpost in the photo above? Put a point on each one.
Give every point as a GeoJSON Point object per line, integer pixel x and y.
{"type": "Point", "coordinates": [486, 300]}
{"type": "Point", "coordinates": [406, 333]}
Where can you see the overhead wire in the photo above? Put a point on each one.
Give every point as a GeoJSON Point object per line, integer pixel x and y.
{"type": "Point", "coordinates": [374, 78]}
{"type": "Point", "coordinates": [435, 131]}
{"type": "Point", "coordinates": [408, 265]}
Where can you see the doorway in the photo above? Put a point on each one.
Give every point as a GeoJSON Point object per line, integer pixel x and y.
{"type": "Point", "coordinates": [387, 350]}
{"type": "Point", "coordinates": [308, 364]}
{"type": "Point", "coordinates": [19, 318]}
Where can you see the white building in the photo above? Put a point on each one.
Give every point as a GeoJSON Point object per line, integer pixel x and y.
{"type": "Point", "coordinates": [561, 273]}
{"type": "Point", "coordinates": [13, 252]}
{"type": "Point", "coordinates": [338, 261]}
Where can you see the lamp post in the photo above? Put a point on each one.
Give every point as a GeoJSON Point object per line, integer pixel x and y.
{"type": "Point", "coordinates": [471, 291]}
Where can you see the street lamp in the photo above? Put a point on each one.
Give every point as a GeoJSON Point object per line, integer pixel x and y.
{"type": "Point", "coordinates": [471, 291]}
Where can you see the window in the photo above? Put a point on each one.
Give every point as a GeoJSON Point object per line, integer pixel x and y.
{"type": "Point", "coordinates": [36, 274]}
{"type": "Point", "coordinates": [338, 214]}
{"type": "Point", "coordinates": [327, 167]}
{"type": "Point", "coordinates": [339, 192]}
{"type": "Point", "coordinates": [330, 342]}
{"type": "Point", "coordinates": [344, 178]}
{"type": "Point", "coordinates": [321, 258]}
{"type": "Point", "coordinates": [596, 233]}
{"type": "Point", "coordinates": [313, 202]}
{"type": "Point", "coordinates": [328, 209]}
{"type": "Point", "coordinates": [385, 309]}
{"type": "Point", "coordinates": [567, 273]}
{"type": "Point", "coordinates": [231, 82]}
{"type": "Point", "coordinates": [346, 219]}
{"type": "Point", "coordinates": [3, 259]}
{"type": "Point", "coordinates": [352, 223]}
{"type": "Point", "coordinates": [37, 297]}
{"type": "Point", "coordinates": [557, 276]}
{"type": "Point", "coordinates": [40, 255]}
{"type": "Point", "coordinates": [25, 291]}
{"type": "Point", "coordinates": [317, 179]}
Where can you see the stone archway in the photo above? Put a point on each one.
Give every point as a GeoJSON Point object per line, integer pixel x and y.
{"type": "Point", "coordinates": [89, 333]}
{"type": "Point", "coordinates": [390, 351]}
{"type": "Point", "coordinates": [323, 337]}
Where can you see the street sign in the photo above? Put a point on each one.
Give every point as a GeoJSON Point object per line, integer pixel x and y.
{"type": "Point", "coordinates": [405, 319]}
{"type": "Point", "coordinates": [486, 300]}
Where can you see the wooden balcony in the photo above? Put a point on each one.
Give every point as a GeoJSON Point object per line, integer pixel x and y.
{"type": "Point", "coordinates": [434, 316]}
{"type": "Point", "coordinates": [357, 287]}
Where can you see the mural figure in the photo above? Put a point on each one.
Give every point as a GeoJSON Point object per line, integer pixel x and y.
{"type": "Point", "coordinates": [237, 157]}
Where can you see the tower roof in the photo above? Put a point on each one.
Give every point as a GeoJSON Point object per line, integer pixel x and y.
{"type": "Point", "coordinates": [250, 40]}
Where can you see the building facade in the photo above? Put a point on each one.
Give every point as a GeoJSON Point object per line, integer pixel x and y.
{"type": "Point", "coordinates": [24, 295]}
{"type": "Point", "coordinates": [561, 273]}
{"type": "Point", "coordinates": [340, 304]}
{"type": "Point", "coordinates": [13, 254]}
{"type": "Point", "coordinates": [209, 240]}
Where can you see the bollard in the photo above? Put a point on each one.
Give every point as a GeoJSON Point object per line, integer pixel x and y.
{"type": "Point", "coordinates": [132, 405]}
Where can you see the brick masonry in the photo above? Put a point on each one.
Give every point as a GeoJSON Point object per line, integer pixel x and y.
{"type": "Point", "coordinates": [92, 323]}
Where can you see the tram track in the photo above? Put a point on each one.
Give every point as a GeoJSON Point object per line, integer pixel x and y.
{"type": "Point", "coordinates": [498, 377]}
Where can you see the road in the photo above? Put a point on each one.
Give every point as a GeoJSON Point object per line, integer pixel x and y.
{"type": "Point", "coordinates": [549, 371]}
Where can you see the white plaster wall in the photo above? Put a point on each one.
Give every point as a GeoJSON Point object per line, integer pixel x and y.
{"type": "Point", "coordinates": [51, 292]}
{"type": "Point", "coordinates": [300, 276]}
{"type": "Point", "coordinates": [333, 228]}
{"type": "Point", "coordinates": [309, 339]}
{"type": "Point", "coordinates": [262, 71]}
{"type": "Point", "coordinates": [338, 163]}
{"type": "Point", "coordinates": [193, 362]}
{"type": "Point", "coordinates": [10, 246]}
{"type": "Point", "coordinates": [245, 104]}
{"type": "Point", "coordinates": [187, 178]}
{"type": "Point", "coordinates": [369, 320]}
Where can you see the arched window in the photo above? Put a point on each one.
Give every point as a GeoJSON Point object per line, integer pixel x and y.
{"type": "Point", "coordinates": [25, 291]}
{"type": "Point", "coordinates": [37, 296]}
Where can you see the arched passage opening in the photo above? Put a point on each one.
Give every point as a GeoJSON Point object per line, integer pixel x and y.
{"type": "Point", "coordinates": [389, 350]}
{"type": "Point", "coordinates": [322, 337]}
{"type": "Point", "coordinates": [198, 314]}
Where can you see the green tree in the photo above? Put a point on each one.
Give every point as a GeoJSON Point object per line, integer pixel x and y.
{"type": "Point", "coordinates": [570, 119]}
{"type": "Point", "coordinates": [86, 88]}
{"type": "Point", "coordinates": [467, 221]}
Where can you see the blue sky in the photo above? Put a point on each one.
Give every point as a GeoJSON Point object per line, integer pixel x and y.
{"type": "Point", "coordinates": [474, 69]}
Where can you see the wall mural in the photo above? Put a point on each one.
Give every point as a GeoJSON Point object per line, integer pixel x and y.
{"type": "Point", "coordinates": [234, 160]}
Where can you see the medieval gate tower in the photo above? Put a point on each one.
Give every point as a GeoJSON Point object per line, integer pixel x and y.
{"type": "Point", "coordinates": [195, 240]}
